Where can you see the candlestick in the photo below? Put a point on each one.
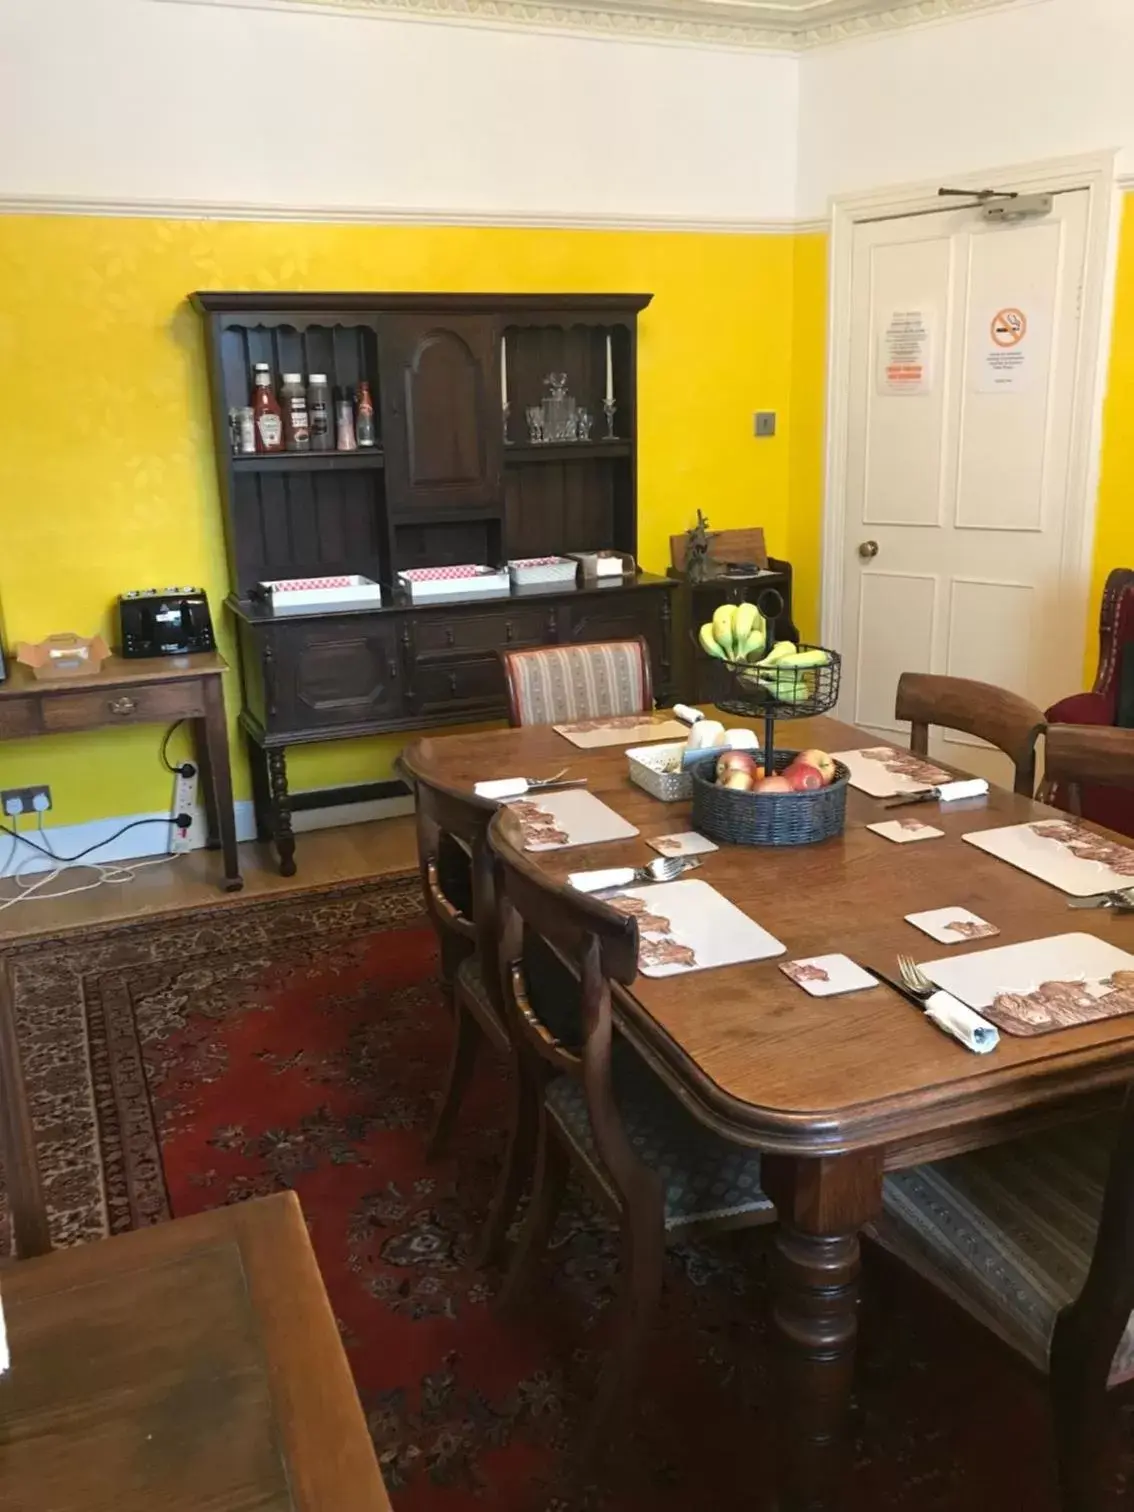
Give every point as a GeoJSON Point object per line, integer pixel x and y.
{"type": "Point", "coordinates": [608, 410]}
{"type": "Point", "coordinates": [609, 374]}
{"type": "Point", "coordinates": [504, 372]}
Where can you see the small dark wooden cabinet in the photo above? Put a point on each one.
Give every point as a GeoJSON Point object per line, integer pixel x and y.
{"type": "Point", "coordinates": [452, 480]}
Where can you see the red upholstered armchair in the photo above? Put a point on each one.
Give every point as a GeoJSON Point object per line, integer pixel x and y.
{"type": "Point", "coordinates": [1110, 703]}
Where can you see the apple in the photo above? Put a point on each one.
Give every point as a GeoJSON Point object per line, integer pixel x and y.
{"type": "Point", "coordinates": [737, 761]}
{"type": "Point", "coordinates": [741, 781]}
{"type": "Point", "coordinates": [820, 761]}
{"type": "Point", "coordinates": [802, 778]}
{"type": "Point", "coordinates": [773, 785]}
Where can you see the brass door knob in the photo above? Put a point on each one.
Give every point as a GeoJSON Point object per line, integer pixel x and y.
{"type": "Point", "coordinates": [868, 550]}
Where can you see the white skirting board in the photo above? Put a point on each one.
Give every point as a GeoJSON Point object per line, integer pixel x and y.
{"type": "Point", "coordinates": [153, 839]}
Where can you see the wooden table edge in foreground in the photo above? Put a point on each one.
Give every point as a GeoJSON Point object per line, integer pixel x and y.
{"type": "Point", "coordinates": [329, 1456]}
{"type": "Point", "coordinates": [825, 1179]}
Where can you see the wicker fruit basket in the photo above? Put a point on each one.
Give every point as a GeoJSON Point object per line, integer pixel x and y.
{"type": "Point", "coordinates": [753, 818]}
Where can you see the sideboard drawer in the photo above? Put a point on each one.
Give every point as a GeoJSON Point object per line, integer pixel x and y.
{"type": "Point", "coordinates": [475, 685]}
{"type": "Point", "coordinates": [19, 717]}
{"type": "Point", "coordinates": [465, 634]}
{"type": "Point", "coordinates": [89, 708]}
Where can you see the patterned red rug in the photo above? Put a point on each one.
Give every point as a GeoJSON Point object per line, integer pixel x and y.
{"type": "Point", "coordinates": [181, 1064]}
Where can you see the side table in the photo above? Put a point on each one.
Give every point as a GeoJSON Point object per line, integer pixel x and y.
{"type": "Point", "coordinates": [158, 690]}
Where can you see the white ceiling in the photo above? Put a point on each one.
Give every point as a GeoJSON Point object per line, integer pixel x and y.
{"type": "Point", "coordinates": [778, 24]}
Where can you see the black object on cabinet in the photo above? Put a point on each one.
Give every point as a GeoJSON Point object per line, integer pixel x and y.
{"type": "Point", "coordinates": [448, 483]}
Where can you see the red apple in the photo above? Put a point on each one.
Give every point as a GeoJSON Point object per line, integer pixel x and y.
{"type": "Point", "coordinates": [737, 761]}
{"type": "Point", "coordinates": [802, 778]}
{"type": "Point", "coordinates": [773, 785]}
{"type": "Point", "coordinates": [740, 782]}
{"type": "Point", "coordinates": [820, 761]}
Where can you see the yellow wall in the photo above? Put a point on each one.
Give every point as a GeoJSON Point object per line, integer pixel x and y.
{"type": "Point", "coordinates": [808, 400]}
{"type": "Point", "coordinates": [1114, 534]}
{"type": "Point", "coordinates": [106, 473]}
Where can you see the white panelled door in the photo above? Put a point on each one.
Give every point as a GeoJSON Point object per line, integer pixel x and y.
{"type": "Point", "coordinates": [963, 362]}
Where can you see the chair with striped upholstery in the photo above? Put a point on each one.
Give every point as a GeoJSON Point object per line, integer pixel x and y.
{"type": "Point", "coordinates": [554, 684]}
{"type": "Point", "coordinates": [1035, 1239]}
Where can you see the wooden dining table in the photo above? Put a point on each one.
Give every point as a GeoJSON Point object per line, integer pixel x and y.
{"type": "Point", "coordinates": [835, 1092]}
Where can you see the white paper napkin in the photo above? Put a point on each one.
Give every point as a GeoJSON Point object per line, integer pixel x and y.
{"type": "Point", "coordinates": [972, 787]}
{"type": "Point", "coordinates": [955, 1018]}
{"type": "Point", "coordinates": [599, 881]}
{"type": "Point", "coordinates": [502, 787]}
{"type": "Point", "coordinates": [4, 1360]}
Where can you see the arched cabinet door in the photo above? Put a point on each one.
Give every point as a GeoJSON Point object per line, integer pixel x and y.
{"type": "Point", "coordinates": [441, 418]}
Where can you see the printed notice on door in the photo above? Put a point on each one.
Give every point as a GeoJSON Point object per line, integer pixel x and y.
{"type": "Point", "coordinates": [905, 355]}
{"type": "Point", "coordinates": [1011, 347]}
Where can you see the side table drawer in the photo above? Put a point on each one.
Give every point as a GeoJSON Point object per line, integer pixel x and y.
{"type": "Point", "coordinates": [93, 708]}
{"type": "Point", "coordinates": [19, 717]}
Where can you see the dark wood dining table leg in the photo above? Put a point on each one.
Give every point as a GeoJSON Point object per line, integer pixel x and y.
{"type": "Point", "coordinates": [822, 1204]}
{"type": "Point", "coordinates": [216, 769]}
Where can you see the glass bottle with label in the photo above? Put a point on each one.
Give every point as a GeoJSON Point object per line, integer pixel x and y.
{"type": "Point", "coordinates": [266, 409]}
{"type": "Point", "coordinates": [365, 429]}
{"type": "Point", "coordinates": [297, 428]}
{"type": "Point", "coordinates": [345, 439]}
{"type": "Point", "coordinates": [319, 415]}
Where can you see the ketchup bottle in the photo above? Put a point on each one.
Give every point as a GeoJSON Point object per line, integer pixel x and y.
{"type": "Point", "coordinates": [266, 411]}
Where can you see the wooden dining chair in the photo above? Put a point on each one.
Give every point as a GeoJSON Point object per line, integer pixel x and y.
{"type": "Point", "coordinates": [603, 1113]}
{"type": "Point", "coordinates": [1035, 1239]}
{"type": "Point", "coordinates": [1005, 720]}
{"type": "Point", "coordinates": [1085, 756]}
{"type": "Point", "coordinates": [27, 1209]}
{"type": "Point", "coordinates": [552, 684]}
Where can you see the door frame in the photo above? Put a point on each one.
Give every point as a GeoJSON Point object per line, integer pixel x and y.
{"type": "Point", "coordinates": [1097, 174]}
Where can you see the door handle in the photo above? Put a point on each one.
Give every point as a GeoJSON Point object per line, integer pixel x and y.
{"type": "Point", "coordinates": [868, 550]}
{"type": "Point", "coordinates": [121, 705]}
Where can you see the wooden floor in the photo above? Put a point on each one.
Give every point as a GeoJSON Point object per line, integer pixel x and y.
{"type": "Point", "coordinates": [351, 853]}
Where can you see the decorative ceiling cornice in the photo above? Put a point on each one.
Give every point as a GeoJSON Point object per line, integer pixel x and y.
{"type": "Point", "coordinates": [775, 25]}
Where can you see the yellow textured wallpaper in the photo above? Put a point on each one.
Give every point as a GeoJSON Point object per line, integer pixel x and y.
{"type": "Point", "coordinates": [808, 418]}
{"type": "Point", "coordinates": [106, 475]}
{"type": "Point", "coordinates": [1114, 536]}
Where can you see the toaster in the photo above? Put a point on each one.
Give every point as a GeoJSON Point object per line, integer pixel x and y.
{"type": "Point", "coordinates": [165, 622]}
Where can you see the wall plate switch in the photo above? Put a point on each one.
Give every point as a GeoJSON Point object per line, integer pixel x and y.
{"type": "Point", "coordinates": [764, 423]}
{"type": "Point", "coordinates": [32, 800]}
{"type": "Point", "coordinates": [184, 802]}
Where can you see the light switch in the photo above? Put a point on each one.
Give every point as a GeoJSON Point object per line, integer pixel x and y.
{"type": "Point", "coordinates": [764, 423]}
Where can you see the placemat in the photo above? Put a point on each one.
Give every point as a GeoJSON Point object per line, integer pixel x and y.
{"type": "Point", "coordinates": [886, 772]}
{"type": "Point", "coordinates": [689, 926]}
{"type": "Point", "coordinates": [621, 730]}
{"type": "Point", "coordinates": [554, 821]}
{"type": "Point", "coordinates": [1041, 986]}
{"type": "Point", "coordinates": [1063, 853]}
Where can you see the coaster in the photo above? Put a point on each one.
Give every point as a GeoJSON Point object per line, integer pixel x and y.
{"type": "Point", "coordinates": [828, 976]}
{"type": "Point", "coordinates": [688, 843]}
{"type": "Point", "coordinates": [906, 831]}
{"type": "Point", "coordinates": [952, 925]}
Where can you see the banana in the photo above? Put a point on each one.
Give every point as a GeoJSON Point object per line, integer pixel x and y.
{"type": "Point", "coordinates": [814, 658]}
{"type": "Point", "coordinates": [778, 652]}
{"type": "Point", "coordinates": [744, 623]}
{"type": "Point", "coordinates": [790, 691]}
{"type": "Point", "coordinates": [723, 621]}
{"type": "Point", "coordinates": [754, 645]}
{"type": "Point", "coordinates": [708, 642]}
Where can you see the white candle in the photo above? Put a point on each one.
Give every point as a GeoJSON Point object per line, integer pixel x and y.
{"type": "Point", "coordinates": [503, 372]}
{"type": "Point", "coordinates": [609, 374]}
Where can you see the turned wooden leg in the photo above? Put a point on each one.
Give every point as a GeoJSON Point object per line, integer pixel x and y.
{"type": "Point", "coordinates": [523, 1133]}
{"type": "Point", "coordinates": [822, 1204]}
{"type": "Point", "coordinates": [466, 1042]}
{"type": "Point", "coordinates": [548, 1186]}
{"type": "Point", "coordinates": [281, 811]}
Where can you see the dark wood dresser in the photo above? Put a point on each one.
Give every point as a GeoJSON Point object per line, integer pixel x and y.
{"type": "Point", "coordinates": [453, 480]}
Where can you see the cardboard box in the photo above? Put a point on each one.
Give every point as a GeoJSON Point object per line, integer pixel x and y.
{"type": "Point", "coordinates": [63, 656]}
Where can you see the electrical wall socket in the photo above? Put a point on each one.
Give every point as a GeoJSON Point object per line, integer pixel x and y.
{"type": "Point", "coordinates": [184, 802]}
{"type": "Point", "coordinates": [32, 800]}
{"type": "Point", "coordinates": [764, 423]}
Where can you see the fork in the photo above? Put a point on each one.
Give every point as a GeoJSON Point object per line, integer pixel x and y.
{"type": "Point", "coordinates": [1121, 901]}
{"type": "Point", "coordinates": [664, 869]}
{"type": "Point", "coordinates": [915, 979]}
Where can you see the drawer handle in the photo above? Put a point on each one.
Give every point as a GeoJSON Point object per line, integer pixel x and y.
{"type": "Point", "coordinates": [122, 705]}
{"type": "Point", "coordinates": [393, 665]}
{"type": "Point", "coordinates": [450, 638]}
{"type": "Point", "coordinates": [507, 630]}
{"type": "Point", "coordinates": [453, 683]}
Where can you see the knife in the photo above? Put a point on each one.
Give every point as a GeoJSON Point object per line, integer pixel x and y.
{"type": "Point", "coordinates": [899, 987]}
{"type": "Point", "coordinates": [945, 792]}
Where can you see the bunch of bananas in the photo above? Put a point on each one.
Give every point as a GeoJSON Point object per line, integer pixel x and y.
{"type": "Point", "coordinates": [739, 633]}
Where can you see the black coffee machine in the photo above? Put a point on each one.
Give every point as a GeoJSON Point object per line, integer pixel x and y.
{"type": "Point", "coordinates": [165, 622]}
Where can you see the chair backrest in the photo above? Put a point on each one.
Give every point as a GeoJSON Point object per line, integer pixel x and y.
{"type": "Point", "coordinates": [452, 826]}
{"type": "Point", "coordinates": [26, 1206]}
{"type": "Point", "coordinates": [1114, 680]}
{"type": "Point", "coordinates": [549, 684]}
{"type": "Point", "coordinates": [598, 946]}
{"type": "Point", "coordinates": [1005, 720]}
{"type": "Point", "coordinates": [1077, 756]}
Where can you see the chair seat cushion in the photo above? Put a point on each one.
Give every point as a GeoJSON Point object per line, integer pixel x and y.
{"type": "Point", "coordinates": [1010, 1231]}
{"type": "Point", "coordinates": [705, 1176]}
